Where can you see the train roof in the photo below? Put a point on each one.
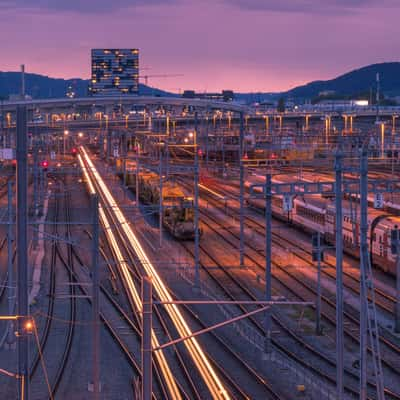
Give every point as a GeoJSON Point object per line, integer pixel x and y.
{"type": "Point", "coordinates": [390, 221]}
{"type": "Point", "coordinates": [317, 202]}
{"type": "Point", "coordinates": [171, 189]}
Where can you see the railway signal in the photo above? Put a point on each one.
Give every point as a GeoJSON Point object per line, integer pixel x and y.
{"type": "Point", "coordinates": [44, 164]}
{"type": "Point", "coordinates": [317, 250]}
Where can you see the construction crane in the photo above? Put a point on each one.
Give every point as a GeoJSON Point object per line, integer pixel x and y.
{"type": "Point", "coordinates": [146, 77]}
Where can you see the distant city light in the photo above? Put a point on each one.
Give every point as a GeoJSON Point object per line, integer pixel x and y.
{"type": "Point", "coordinates": [361, 103]}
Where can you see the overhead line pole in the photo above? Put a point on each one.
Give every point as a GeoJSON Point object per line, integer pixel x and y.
{"type": "Point", "coordinates": [160, 198]}
{"type": "Point", "coordinates": [11, 289]}
{"type": "Point", "coordinates": [124, 155]}
{"type": "Point", "coordinates": [318, 329]}
{"type": "Point", "coordinates": [96, 300]}
{"type": "Point", "coordinates": [137, 174]}
{"type": "Point", "coordinates": [339, 277]}
{"type": "Point", "coordinates": [241, 172]}
{"type": "Point", "coordinates": [196, 209]}
{"type": "Point", "coordinates": [207, 139]}
{"type": "Point", "coordinates": [363, 267]}
{"type": "Point", "coordinates": [22, 250]}
{"type": "Point", "coordinates": [268, 260]}
{"type": "Point", "coordinates": [147, 305]}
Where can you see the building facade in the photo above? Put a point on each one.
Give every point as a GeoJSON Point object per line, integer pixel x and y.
{"type": "Point", "coordinates": [115, 72]}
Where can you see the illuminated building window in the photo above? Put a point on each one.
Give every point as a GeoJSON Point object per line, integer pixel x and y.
{"type": "Point", "coordinates": [114, 71]}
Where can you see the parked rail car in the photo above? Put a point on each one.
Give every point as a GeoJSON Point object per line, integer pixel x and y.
{"type": "Point", "coordinates": [309, 213]}
{"type": "Point", "coordinates": [178, 209]}
{"type": "Point", "coordinates": [380, 242]}
{"type": "Point", "coordinates": [378, 235]}
{"type": "Point", "coordinates": [313, 213]}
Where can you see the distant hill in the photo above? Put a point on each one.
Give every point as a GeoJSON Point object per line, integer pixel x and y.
{"type": "Point", "coordinates": [43, 87]}
{"type": "Point", "coordinates": [354, 83]}
{"type": "Point", "coordinates": [359, 81]}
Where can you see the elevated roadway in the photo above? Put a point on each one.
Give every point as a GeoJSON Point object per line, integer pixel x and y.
{"type": "Point", "coordinates": [54, 105]}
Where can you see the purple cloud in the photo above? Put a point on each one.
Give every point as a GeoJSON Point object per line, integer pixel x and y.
{"type": "Point", "coordinates": [308, 6]}
{"type": "Point", "coordinates": [97, 6]}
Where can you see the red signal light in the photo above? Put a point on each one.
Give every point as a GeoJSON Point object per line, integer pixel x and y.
{"type": "Point", "coordinates": [45, 164]}
{"type": "Point", "coordinates": [74, 150]}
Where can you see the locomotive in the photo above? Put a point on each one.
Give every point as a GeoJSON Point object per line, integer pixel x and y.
{"type": "Point", "coordinates": [178, 209]}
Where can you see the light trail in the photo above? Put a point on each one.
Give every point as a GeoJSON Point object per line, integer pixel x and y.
{"type": "Point", "coordinates": [213, 192]}
{"type": "Point", "coordinates": [206, 370]}
{"type": "Point", "coordinates": [132, 292]}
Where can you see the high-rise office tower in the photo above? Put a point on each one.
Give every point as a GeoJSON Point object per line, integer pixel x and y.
{"type": "Point", "coordinates": [114, 72]}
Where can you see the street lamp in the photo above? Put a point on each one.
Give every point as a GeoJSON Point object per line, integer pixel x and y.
{"type": "Point", "coordinates": [382, 140]}
{"type": "Point", "coordinates": [307, 121]}
{"type": "Point", "coordinates": [66, 133]}
{"type": "Point", "coordinates": [266, 117]}
{"type": "Point", "coordinates": [345, 122]}
{"type": "Point", "coordinates": [394, 116]}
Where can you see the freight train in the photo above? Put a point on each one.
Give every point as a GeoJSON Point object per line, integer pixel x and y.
{"type": "Point", "coordinates": [314, 213]}
{"type": "Point", "coordinates": [178, 209]}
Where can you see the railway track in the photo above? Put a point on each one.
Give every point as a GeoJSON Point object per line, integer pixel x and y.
{"type": "Point", "coordinates": [386, 302]}
{"type": "Point", "coordinates": [123, 278]}
{"type": "Point", "coordinates": [234, 388]}
{"type": "Point", "coordinates": [383, 300]}
{"type": "Point", "coordinates": [56, 255]}
{"type": "Point", "coordinates": [73, 306]}
{"type": "Point", "coordinates": [124, 331]}
{"type": "Point", "coordinates": [234, 289]}
{"type": "Point", "coordinates": [298, 282]}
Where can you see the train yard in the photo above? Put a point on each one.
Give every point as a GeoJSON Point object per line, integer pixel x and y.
{"type": "Point", "coordinates": [189, 210]}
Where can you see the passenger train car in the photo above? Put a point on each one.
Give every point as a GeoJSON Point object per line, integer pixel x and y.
{"type": "Point", "coordinates": [314, 213]}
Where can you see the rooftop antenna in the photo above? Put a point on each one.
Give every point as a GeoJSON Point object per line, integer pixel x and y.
{"type": "Point", "coordinates": [377, 96]}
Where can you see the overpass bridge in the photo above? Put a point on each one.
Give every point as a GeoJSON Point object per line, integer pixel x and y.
{"type": "Point", "coordinates": [117, 111]}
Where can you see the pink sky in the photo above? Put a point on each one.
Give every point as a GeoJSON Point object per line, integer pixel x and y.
{"type": "Point", "coordinates": [244, 45]}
